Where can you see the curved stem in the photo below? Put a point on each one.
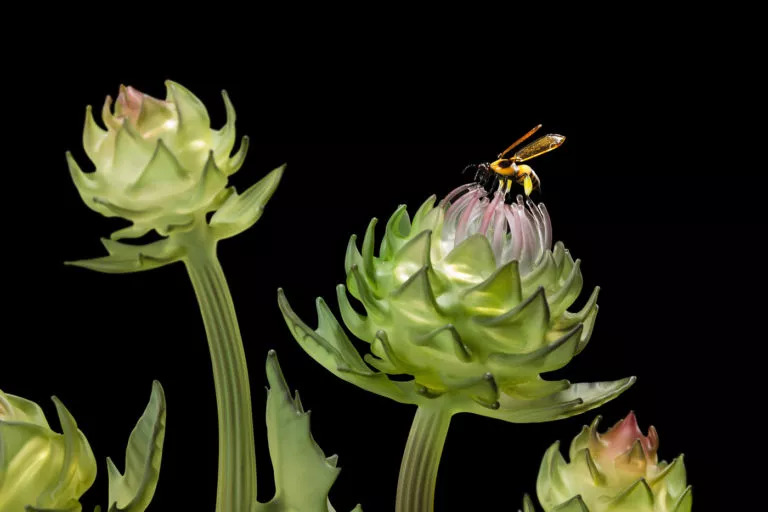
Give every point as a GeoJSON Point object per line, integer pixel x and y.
{"type": "Point", "coordinates": [236, 491]}
{"type": "Point", "coordinates": [418, 471]}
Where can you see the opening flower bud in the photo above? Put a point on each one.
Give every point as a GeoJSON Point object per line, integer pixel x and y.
{"type": "Point", "coordinates": [38, 466]}
{"type": "Point", "coordinates": [612, 472]}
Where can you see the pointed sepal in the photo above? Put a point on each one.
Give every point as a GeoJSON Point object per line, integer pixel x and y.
{"type": "Point", "coordinates": [194, 122]}
{"type": "Point", "coordinates": [93, 136]}
{"type": "Point", "coordinates": [638, 496]}
{"type": "Point", "coordinates": [163, 172]}
{"type": "Point", "coordinates": [471, 261]}
{"type": "Point", "coordinates": [241, 211]}
{"type": "Point", "coordinates": [224, 139]}
{"type": "Point", "coordinates": [575, 504]}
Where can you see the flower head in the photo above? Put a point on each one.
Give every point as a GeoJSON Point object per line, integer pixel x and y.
{"type": "Point", "coordinates": [159, 165]}
{"type": "Point", "coordinates": [615, 471]}
{"type": "Point", "coordinates": [39, 467]}
{"type": "Point", "coordinates": [470, 299]}
{"type": "Point", "coordinates": [520, 231]}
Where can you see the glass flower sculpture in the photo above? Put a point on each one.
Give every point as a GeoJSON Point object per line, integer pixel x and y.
{"type": "Point", "coordinates": [42, 471]}
{"type": "Point", "coordinates": [40, 468]}
{"type": "Point", "coordinates": [471, 300]}
{"type": "Point", "coordinates": [618, 471]}
{"type": "Point", "coordinates": [159, 165]}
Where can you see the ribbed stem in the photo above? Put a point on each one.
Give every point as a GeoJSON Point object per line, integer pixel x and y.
{"type": "Point", "coordinates": [236, 491]}
{"type": "Point", "coordinates": [418, 471]}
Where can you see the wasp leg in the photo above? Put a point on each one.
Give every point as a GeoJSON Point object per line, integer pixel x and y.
{"type": "Point", "coordinates": [536, 181]}
{"type": "Point", "coordinates": [528, 185]}
{"type": "Point", "coordinates": [500, 182]}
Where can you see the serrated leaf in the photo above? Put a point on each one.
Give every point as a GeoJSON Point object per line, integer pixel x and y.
{"type": "Point", "coordinates": [124, 258]}
{"type": "Point", "coordinates": [337, 355]}
{"type": "Point", "coordinates": [240, 211]}
{"type": "Point", "coordinates": [303, 474]}
{"type": "Point", "coordinates": [118, 265]}
{"type": "Point", "coordinates": [133, 491]}
{"type": "Point", "coordinates": [573, 400]}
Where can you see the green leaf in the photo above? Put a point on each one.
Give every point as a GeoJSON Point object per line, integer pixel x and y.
{"type": "Point", "coordinates": [133, 491]}
{"type": "Point", "coordinates": [240, 211]}
{"type": "Point", "coordinates": [303, 474]}
{"type": "Point", "coordinates": [329, 346]}
{"type": "Point", "coordinates": [125, 258]}
{"type": "Point", "coordinates": [573, 400]}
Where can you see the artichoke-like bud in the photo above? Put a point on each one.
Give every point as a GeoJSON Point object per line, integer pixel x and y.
{"type": "Point", "coordinates": [470, 299]}
{"type": "Point", "coordinates": [161, 166]}
{"type": "Point", "coordinates": [611, 472]}
{"type": "Point", "coordinates": [40, 468]}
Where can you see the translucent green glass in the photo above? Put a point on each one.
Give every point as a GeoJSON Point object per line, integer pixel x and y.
{"type": "Point", "coordinates": [470, 300]}
{"type": "Point", "coordinates": [617, 471]}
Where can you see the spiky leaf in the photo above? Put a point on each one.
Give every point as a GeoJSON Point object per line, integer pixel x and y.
{"type": "Point", "coordinates": [303, 474]}
{"type": "Point", "coordinates": [133, 491]}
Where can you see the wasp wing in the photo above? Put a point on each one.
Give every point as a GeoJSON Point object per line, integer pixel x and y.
{"type": "Point", "coordinates": [539, 147]}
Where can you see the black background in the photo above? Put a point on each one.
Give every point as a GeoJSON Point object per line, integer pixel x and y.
{"type": "Point", "coordinates": [635, 192]}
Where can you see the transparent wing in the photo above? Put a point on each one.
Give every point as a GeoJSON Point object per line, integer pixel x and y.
{"type": "Point", "coordinates": [539, 147]}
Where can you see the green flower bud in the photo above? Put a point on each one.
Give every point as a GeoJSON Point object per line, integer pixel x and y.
{"type": "Point", "coordinates": [161, 166]}
{"type": "Point", "coordinates": [617, 471]}
{"type": "Point", "coordinates": [38, 467]}
{"type": "Point", "coordinates": [158, 163]}
{"type": "Point", "coordinates": [471, 300]}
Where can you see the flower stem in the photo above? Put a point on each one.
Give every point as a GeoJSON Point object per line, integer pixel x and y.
{"type": "Point", "coordinates": [418, 471]}
{"type": "Point", "coordinates": [236, 491]}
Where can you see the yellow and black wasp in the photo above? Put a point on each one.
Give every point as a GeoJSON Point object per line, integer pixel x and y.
{"type": "Point", "coordinates": [505, 170]}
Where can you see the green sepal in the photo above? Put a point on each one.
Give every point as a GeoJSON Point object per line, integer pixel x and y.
{"type": "Point", "coordinates": [575, 504]}
{"type": "Point", "coordinates": [303, 474]}
{"type": "Point", "coordinates": [638, 496]}
{"type": "Point", "coordinates": [685, 502]}
{"type": "Point", "coordinates": [194, 122]}
{"type": "Point", "coordinates": [224, 138]}
{"type": "Point", "coordinates": [133, 491]}
{"type": "Point", "coordinates": [241, 211]}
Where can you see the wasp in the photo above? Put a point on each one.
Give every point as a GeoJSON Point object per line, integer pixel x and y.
{"type": "Point", "coordinates": [505, 170]}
